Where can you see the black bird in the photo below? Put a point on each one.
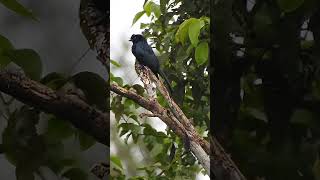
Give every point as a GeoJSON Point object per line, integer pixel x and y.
{"type": "Point", "coordinates": [145, 56]}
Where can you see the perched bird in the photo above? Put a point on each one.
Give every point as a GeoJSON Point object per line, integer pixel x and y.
{"type": "Point", "coordinates": [145, 56]}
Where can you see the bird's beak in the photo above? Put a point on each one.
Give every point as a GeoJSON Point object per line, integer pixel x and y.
{"type": "Point", "coordinates": [130, 39]}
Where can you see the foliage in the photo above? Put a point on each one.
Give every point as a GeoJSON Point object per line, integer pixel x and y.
{"type": "Point", "coordinates": [268, 54]}
{"type": "Point", "coordinates": [27, 146]}
{"type": "Point", "coordinates": [18, 8]}
{"type": "Point", "coordinates": [180, 35]}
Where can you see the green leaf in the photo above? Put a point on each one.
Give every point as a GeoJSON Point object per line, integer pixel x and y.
{"type": "Point", "coordinates": [5, 44]}
{"type": "Point", "coordinates": [94, 87]}
{"type": "Point", "coordinates": [115, 63]}
{"type": "Point", "coordinates": [135, 118]}
{"type": "Point", "coordinates": [137, 17]}
{"type": "Point", "coordinates": [28, 60]}
{"type": "Point", "coordinates": [118, 80]}
{"type": "Point", "coordinates": [21, 141]}
{"type": "Point", "coordinates": [189, 50]}
{"type": "Point", "coordinates": [163, 4]}
{"type": "Point", "coordinates": [150, 7]}
{"type": "Point", "coordinates": [156, 10]}
{"type": "Point", "coordinates": [135, 138]}
{"type": "Point", "coordinates": [205, 19]}
{"type": "Point", "coordinates": [127, 138]}
{"type": "Point", "coordinates": [75, 174]}
{"type": "Point", "coordinates": [126, 127]}
{"type": "Point", "coordinates": [117, 107]}
{"type": "Point", "coordinates": [4, 61]}
{"type": "Point", "coordinates": [135, 128]}
{"type": "Point", "coordinates": [54, 80]}
{"type": "Point", "coordinates": [138, 88]}
{"type": "Point", "coordinates": [143, 25]}
{"type": "Point", "coordinates": [181, 55]}
{"type": "Point", "coordinates": [147, 8]}
{"type": "Point", "coordinates": [51, 77]}
{"type": "Point", "coordinates": [58, 129]}
{"type": "Point", "coordinates": [194, 31]}
{"type": "Point", "coordinates": [18, 8]}
{"type": "Point", "coordinates": [116, 161]}
{"type": "Point", "coordinates": [202, 53]}
{"type": "Point", "coordinates": [123, 131]}
{"type": "Point", "coordinates": [157, 149]}
{"type": "Point", "coordinates": [85, 141]}
{"type": "Point", "coordinates": [149, 130]}
{"type": "Point", "coordinates": [127, 104]}
{"type": "Point", "coordinates": [183, 30]}
{"type": "Point", "coordinates": [289, 5]}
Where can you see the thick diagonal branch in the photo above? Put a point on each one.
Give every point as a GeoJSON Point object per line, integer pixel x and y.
{"type": "Point", "coordinates": [198, 145]}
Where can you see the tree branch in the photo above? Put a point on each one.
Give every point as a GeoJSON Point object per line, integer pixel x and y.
{"type": "Point", "coordinates": [198, 145]}
{"type": "Point", "coordinates": [95, 26]}
{"type": "Point", "coordinates": [69, 107]}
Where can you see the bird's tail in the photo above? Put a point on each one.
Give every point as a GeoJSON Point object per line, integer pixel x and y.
{"type": "Point", "coordinates": [166, 80]}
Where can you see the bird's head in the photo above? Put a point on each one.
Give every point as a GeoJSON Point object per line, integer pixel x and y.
{"type": "Point", "coordinates": [136, 38]}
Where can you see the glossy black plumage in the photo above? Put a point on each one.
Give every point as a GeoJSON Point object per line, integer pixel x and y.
{"type": "Point", "coordinates": [145, 56]}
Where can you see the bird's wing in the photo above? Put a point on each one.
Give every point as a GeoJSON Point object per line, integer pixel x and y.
{"type": "Point", "coordinates": [146, 56]}
{"type": "Point", "coordinates": [144, 52]}
{"type": "Point", "coordinates": [148, 48]}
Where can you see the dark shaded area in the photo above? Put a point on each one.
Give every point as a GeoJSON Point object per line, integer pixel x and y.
{"type": "Point", "coordinates": [265, 86]}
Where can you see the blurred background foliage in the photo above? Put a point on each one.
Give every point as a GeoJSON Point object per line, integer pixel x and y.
{"type": "Point", "coordinates": [38, 43]}
{"type": "Point", "coordinates": [268, 52]}
{"type": "Point", "coordinates": [178, 31]}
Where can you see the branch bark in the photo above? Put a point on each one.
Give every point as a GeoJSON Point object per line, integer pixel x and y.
{"type": "Point", "coordinates": [69, 107]}
{"type": "Point", "coordinates": [94, 23]}
{"type": "Point", "coordinates": [198, 145]}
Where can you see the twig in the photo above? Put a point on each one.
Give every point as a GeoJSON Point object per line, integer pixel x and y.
{"type": "Point", "coordinates": [143, 115]}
